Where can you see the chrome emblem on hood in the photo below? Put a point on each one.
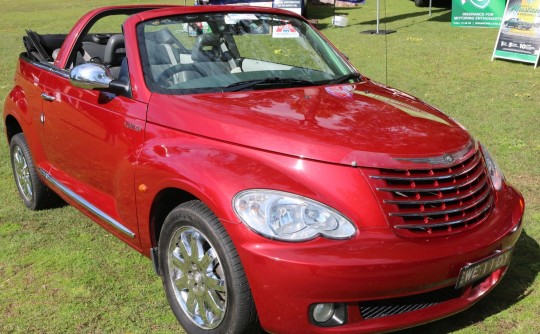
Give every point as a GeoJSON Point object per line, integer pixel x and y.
{"type": "Point", "coordinates": [448, 158]}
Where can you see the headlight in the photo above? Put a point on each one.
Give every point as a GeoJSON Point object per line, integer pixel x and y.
{"type": "Point", "coordinates": [285, 216]}
{"type": "Point", "coordinates": [497, 177]}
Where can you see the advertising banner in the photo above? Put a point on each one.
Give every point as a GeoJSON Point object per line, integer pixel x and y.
{"type": "Point", "coordinates": [292, 5]}
{"type": "Point", "coordinates": [477, 13]}
{"type": "Point", "coordinates": [519, 35]}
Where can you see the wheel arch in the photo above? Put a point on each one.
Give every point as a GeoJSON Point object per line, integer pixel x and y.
{"type": "Point", "coordinates": [163, 203]}
{"type": "Point", "coordinates": [13, 127]}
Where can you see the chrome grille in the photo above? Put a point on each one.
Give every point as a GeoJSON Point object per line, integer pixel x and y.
{"type": "Point", "coordinates": [436, 201]}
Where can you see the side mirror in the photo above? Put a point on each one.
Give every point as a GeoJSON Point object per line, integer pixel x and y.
{"type": "Point", "coordinates": [91, 76]}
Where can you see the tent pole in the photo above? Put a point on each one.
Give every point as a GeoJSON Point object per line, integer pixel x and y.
{"type": "Point", "coordinates": [378, 31]}
{"type": "Point", "coordinates": [378, 7]}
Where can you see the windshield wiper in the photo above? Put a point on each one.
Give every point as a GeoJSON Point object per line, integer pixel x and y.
{"type": "Point", "coordinates": [241, 85]}
{"type": "Point", "coordinates": [344, 78]}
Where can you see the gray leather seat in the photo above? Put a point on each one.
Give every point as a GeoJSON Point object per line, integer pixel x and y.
{"type": "Point", "coordinates": [115, 52]}
{"type": "Point", "coordinates": [161, 58]}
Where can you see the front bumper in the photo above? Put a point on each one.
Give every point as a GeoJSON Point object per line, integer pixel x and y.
{"type": "Point", "coordinates": [374, 269]}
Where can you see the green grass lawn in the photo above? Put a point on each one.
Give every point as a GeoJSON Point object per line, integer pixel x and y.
{"type": "Point", "coordinates": [61, 273]}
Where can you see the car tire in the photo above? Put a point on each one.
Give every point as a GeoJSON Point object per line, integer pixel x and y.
{"type": "Point", "coordinates": [421, 3]}
{"type": "Point", "coordinates": [204, 280]}
{"type": "Point", "coordinates": [33, 192]}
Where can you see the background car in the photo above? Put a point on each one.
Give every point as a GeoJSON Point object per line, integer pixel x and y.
{"type": "Point", "coordinates": [518, 24]}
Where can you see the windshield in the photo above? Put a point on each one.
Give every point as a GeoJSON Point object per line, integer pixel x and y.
{"type": "Point", "coordinates": [220, 52]}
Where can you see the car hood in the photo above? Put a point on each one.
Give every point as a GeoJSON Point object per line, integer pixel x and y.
{"type": "Point", "coordinates": [364, 124]}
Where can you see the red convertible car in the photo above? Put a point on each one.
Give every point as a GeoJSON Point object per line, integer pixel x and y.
{"type": "Point", "coordinates": [273, 186]}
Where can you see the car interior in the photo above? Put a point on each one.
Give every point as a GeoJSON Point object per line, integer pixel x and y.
{"type": "Point", "coordinates": [107, 49]}
{"type": "Point", "coordinates": [194, 58]}
{"type": "Point", "coordinates": [164, 51]}
{"type": "Point", "coordinates": [101, 42]}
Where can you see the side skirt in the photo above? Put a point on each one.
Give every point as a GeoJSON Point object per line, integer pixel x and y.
{"type": "Point", "coordinates": [87, 205]}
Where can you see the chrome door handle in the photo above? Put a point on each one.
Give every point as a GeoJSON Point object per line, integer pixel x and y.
{"type": "Point", "coordinates": [47, 97]}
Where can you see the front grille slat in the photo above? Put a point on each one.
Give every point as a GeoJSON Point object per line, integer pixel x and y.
{"type": "Point", "coordinates": [436, 201]}
{"type": "Point", "coordinates": [454, 173]}
{"type": "Point", "coordinates": [470, 179]}
{"type": "Point", "coordinates": [436, 211]}
{"type": "Point", "coordinates": [478, 213]}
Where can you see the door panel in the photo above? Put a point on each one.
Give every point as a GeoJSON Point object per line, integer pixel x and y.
{"type": "Point", "coordinates": [27, 101]}
{"type": "Point", "coordinates": [92, 140]}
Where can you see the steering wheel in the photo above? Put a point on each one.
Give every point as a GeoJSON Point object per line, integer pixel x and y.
{"type": "Point", "coordinates": [214, 54]}
{"type": "Point", "coordinates": [171, 71]}
{"type": "Point", "coordinates": [207, 48]}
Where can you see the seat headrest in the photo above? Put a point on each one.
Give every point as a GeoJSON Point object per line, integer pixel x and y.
{"type": "Point", "coordinates": [115, 51]}
{"type": "Point", "coordinates": [157, 54]}
{"type": "Point", "coordinates": [162, 36]}
{"type": "Point", "coordinates": [206, 48]}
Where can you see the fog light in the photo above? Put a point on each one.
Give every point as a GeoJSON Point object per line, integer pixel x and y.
{"type": "Point", "coordinates": [323, 312]}
{"type": "Point", "coordinates": [328, 314]}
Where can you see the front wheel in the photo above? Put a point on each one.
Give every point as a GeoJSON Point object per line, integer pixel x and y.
{"type": "Point", "coordinates": [202, 275]}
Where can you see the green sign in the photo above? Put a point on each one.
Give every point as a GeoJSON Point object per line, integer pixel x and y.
{"type": "Point", "coordinates": [477, 13]}
{"type": "Point", "coordinates": [519, 35]}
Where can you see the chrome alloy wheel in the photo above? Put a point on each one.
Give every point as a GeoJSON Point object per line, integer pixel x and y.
{"type": "Point", "coordinates": [22, 174]}
{"type": "Point", "coordinates": [197, 277]}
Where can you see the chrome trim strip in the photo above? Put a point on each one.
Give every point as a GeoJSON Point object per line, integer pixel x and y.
{"type": "Point", "coordinates": [433, 212]}
{"type": "Point", "coordinates": [90, 207]}
{"type": "Point", "coordinates": [472, 165]}
{"type": "Point", "coordinates": [479, 175]}
{"type": "Point", "coordinates": [428, 200]}
{"type": "Point", "coordinates": [446, 159]}
{"type": "Point", "coordinates": [480, 212]}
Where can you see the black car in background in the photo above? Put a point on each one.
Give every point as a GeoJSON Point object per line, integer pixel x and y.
{"type": "Point", "coordinates": [517, 23]}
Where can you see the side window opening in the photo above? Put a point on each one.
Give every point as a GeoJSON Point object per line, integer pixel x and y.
{"type": "Point", "coordinates": [42, 48]}
{"type": "Point", "coordinates": [102, 42]}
